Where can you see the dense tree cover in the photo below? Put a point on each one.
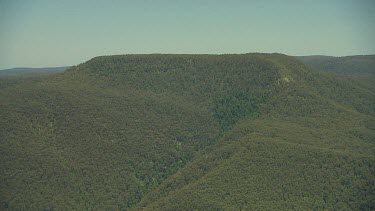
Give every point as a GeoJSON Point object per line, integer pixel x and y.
{"type": "Point", "coordinates": [77, 144]}
{"type": "Point", "coordinates": [251, 131]}
{"type": "Point", "coordinates": [231, 108]}
{"type": "Point", "coordinates": [276, 169]}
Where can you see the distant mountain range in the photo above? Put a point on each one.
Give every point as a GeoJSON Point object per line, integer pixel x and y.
{"type": "Point", "coordinates": [347, 65]}
{"type": "Point", "coordinates": [31, 71]}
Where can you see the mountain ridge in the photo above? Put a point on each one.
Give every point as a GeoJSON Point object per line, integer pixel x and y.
{"type": "Point", "coordinates": [247, 131]}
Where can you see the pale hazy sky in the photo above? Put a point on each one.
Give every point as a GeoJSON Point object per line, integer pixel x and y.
{"type": "Point", "coordinates": [41, 33]}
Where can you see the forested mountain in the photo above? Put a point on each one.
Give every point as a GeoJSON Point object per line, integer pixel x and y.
{"type": "Point", "coordinates": [24, 71]}
{"type": "Point", "coordinates": [349, 65]}
{"type": "Point", "coordinates": [175, 132]}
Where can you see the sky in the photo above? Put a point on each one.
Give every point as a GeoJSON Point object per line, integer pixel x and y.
{"type": "Point", "coordinates": [45, 33]}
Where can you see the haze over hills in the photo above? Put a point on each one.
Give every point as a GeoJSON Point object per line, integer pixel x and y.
{"type": "Point", "coordinates": [27, 71]}
{"type": "Point", "coordinates": [349, 65]}
{"type": "Point", "coordinates": [246, 131]}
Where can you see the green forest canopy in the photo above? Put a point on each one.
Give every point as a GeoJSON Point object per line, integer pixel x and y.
{"type": "Point", "coordinates": [249, 131]}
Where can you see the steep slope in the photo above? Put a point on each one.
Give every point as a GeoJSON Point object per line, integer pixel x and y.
{"type": "Point", "coordinates": [312, 147]}
{"type": "Point", "coordinates": [71, 145]}
{"type": "Point", "coordinates": [187, 131]}
{"type": "Point", "coordinates": [272, 166]}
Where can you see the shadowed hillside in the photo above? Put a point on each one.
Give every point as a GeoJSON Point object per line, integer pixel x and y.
{"type": "Point", "coordinates": [249, 131]}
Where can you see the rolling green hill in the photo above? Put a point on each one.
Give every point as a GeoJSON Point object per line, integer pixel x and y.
{"type": "Point", "coordinates": [249, 131]}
